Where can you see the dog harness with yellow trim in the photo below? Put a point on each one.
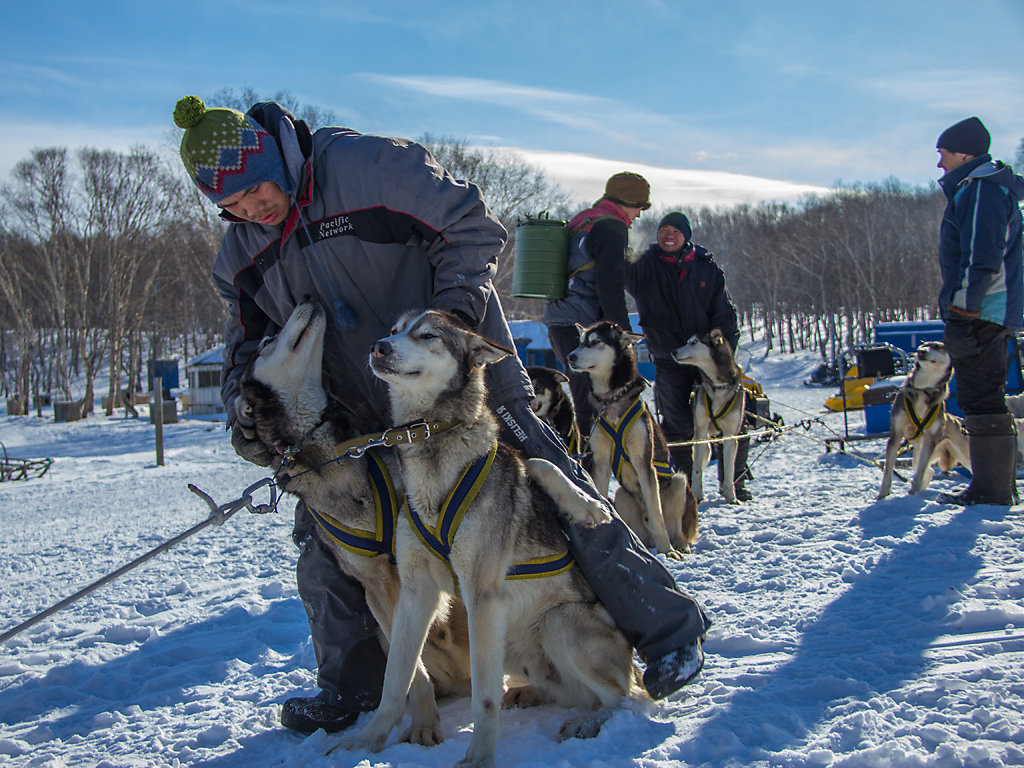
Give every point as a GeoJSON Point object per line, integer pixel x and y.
{"type": "Point", "coordinates": [721, 412]}
{"type": "Point", "coordinates": [385, 502]}
{"type": "Point", "coordinates": [439, 539]}
{"type": "Point", "coordinates": [617, 433]}
{"type": "Point", "coordinates": [920, 425]}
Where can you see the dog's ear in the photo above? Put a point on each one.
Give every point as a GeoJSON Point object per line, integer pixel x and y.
{"type": "Point", "coordinates": [716, 337]}
{"type": "Point", "coordinates": [559, 376]}
{"type": "Point", "coordinates": [632, 338]}
{"type": "Point", "coordinates": [579, 329]}
{"type": "Point", "coordinates": [484, 351]}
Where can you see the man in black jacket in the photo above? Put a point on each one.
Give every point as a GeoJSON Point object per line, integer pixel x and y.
{"type": "Point", "coordinates": [680, 291]}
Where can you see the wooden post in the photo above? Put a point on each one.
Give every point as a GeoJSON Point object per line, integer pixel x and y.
{"type": "Point", "coordinates": [157, 401]}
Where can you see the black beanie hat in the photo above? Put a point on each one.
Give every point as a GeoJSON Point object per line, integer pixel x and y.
{"type": "Point", "coordinates": [679, 221]}
{"type": "Point", "coordinates": [969, 137]}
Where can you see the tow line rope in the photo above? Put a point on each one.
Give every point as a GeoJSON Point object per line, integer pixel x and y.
{"type": "Point", "coordinates": [218, 514]}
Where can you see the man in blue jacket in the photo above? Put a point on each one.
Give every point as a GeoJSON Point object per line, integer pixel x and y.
{"type": "Point", "coordinates": [981, 300]}
{"type": "Point", "coordinates": [371, 227]}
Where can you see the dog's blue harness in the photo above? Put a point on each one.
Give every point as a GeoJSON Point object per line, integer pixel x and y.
{"type": "Point", "coordinates": [439, 538]}
{"type": "Point", "coordinates": [617, 433]}
{"type": "Point", "coordinates": [385, 502]}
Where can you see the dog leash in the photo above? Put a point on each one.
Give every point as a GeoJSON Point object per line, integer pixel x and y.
{"type": "Point", "coordinates": [404, 435]}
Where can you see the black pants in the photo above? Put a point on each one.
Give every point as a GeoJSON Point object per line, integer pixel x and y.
{"type": "Point", "coordinates": [673, 390]}
{"type": "Point", "coordinates": [979, 352]}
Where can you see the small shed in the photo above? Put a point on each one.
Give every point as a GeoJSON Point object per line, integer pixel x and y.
{"type": "Point", "coordinates": [203, 372]}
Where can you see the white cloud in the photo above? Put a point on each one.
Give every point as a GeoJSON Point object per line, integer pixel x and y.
{"type": "Point", "coordinates": [584, 177]}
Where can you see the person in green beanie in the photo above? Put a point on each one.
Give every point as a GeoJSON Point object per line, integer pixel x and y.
{"type": "Point", "coordinates": [372, 227]}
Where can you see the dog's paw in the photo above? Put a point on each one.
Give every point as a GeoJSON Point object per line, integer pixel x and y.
{"type": "Point", "coordinates": [521, 697]}
{"type": "Point", "coordinates": [585, 726]}
{"type": "Point", "coordinates": [678, 554]}
{"type": "Point", "coordinates": [425, 735]}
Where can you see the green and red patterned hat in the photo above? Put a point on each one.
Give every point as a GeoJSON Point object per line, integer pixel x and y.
{"type": "Point", "coordinates": [226, 152]}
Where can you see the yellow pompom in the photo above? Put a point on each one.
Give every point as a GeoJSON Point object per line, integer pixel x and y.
{"type": "Point", "coordinates": [189, 111]}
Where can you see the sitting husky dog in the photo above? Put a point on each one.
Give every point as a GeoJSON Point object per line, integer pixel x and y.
{"type": "Point", "coordinates": [653, 499]}
{"type": "Point", "coordinates": [718, 406]}
{"type": "Point", "coordinates": [919, 417]}
{"type": "Point", "coordinates": [480, 520]}
{"type": "Point", "coordinates": [553, 406]}
{"type": "Point", "coordinates": [349, 498]}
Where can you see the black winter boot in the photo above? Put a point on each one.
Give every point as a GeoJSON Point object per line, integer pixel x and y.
{"type": "Point", "coordinates": [993, 446]}
{"type": "Point", "coordinates": [311, 714]}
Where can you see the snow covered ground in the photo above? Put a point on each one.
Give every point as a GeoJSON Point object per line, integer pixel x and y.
{"type": "Point", "coordinates": [847, 632]}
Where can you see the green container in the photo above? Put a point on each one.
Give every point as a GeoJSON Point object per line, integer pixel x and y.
{"type": "Point", "coordinates": [541, 252]}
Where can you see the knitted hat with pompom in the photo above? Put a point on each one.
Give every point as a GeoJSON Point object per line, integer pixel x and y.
{"type": "Point", "coordinates": [226, 152]}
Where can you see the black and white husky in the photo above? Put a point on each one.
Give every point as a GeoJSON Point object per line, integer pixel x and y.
{"type": "Point", "coordinates": [553, 406]}
{"type": "Point", "coordinates": [481, 521]}
{"type": "Point", "coordinates": [354, 501]}
{"type": "Point", "coordinates": [718, 406]}
{"type": "Point", "coordinates": [653, 499]}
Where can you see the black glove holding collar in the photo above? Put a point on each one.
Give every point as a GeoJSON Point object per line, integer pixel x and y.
{"type": "Point", "coordinates": [244, 439]}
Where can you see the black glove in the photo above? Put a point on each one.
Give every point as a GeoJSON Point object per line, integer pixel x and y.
{"type": "Point", "coordinates": [244, 439]}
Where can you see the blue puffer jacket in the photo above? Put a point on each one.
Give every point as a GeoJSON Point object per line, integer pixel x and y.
{"type": "Point", "coordinates": [981, 255]}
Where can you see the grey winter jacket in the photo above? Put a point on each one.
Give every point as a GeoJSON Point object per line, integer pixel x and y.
{"type": "Point", "coordinates": [377, 228]}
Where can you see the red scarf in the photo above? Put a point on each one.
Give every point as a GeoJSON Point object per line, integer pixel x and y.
{"type": "Point", "coordinates": [602, 208]}
{"type": "Point", "coordinates": [680, 259]}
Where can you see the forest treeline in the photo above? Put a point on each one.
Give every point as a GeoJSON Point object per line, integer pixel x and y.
{"type": "Point", "coordinates": [105, 259]}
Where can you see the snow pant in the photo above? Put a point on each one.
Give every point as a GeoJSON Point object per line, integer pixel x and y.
{"type": "Point", "coordinates": [673, 390]}
{"type": "Point", "coordinates": [349, 658]}
{"type": "Point", "coordinates": [980, 360]}
{"type": "Point", "coordinates": [564, 339]}
{"type": "Point", "coordinates": [638, 591]}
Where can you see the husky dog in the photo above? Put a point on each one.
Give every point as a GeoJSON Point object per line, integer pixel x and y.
{"type": "Point", "coordinates": [481, 520]}
{"type": "Point", "coordinates": [553, 406]}
{"type": "Point", "coordinates": [1015, 405]}
{"type": "Point", "coordinates": [919, 417]}
{"type": "Point", "coordinates": [653, 499]}
{"type": "Point", "coordinates": [353, 504]}
{"type": "Point", "coordinates": [718, 406]}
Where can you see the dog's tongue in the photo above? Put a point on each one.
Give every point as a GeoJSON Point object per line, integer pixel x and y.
{"type": "Point", "coordinates": [280, 449]}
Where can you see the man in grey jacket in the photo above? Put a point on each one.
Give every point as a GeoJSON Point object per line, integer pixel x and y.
{"type": "Point", "coordinates": [372, 227]}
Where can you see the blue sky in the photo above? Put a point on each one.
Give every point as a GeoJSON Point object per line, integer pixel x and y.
{"type": "Point", "coordinates": [803, 93]}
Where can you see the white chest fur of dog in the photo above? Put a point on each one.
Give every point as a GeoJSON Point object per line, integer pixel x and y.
{"type": "Point", "coordinates": [281, 391]}
{"type": "Point", "coordinates": [718, 406]}
{"type": "Point", "coordinates": [919, 417]}
{"type": "Point", "coordinates": [550, 630]}
{"type": "Point", "coordinates": [661, 509]}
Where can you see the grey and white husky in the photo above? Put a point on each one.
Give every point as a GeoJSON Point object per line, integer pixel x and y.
{"type": "Point", "coordinates": [353, 503]}
{"type": "Point", "coordinates": [653, 499]}
{"type": "Point", "coordinates": [718, 406]}
{"type": "Point", "coordinates": [481, 522]}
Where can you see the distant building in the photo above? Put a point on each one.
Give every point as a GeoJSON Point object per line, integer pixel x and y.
{"type": "Point", "coordinates": [203, 372]}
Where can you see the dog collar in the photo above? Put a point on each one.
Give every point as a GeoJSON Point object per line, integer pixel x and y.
{"type": "Point", "coordinates": [405, 435]}
{"type": "Point", "coordinates": [636, 386]}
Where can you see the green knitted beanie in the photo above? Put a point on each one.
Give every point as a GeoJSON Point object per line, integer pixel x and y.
{"type": "Point", "coordinates": [225, 151]}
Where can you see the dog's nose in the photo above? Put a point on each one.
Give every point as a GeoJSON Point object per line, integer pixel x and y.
{"type": "Point", "coordinates": [572, 357]}
{"type": "Point", "coordinates": [381, 348]}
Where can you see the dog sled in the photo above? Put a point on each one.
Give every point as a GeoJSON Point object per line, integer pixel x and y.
{"type": "Point", "coordinates": [21, 469]}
